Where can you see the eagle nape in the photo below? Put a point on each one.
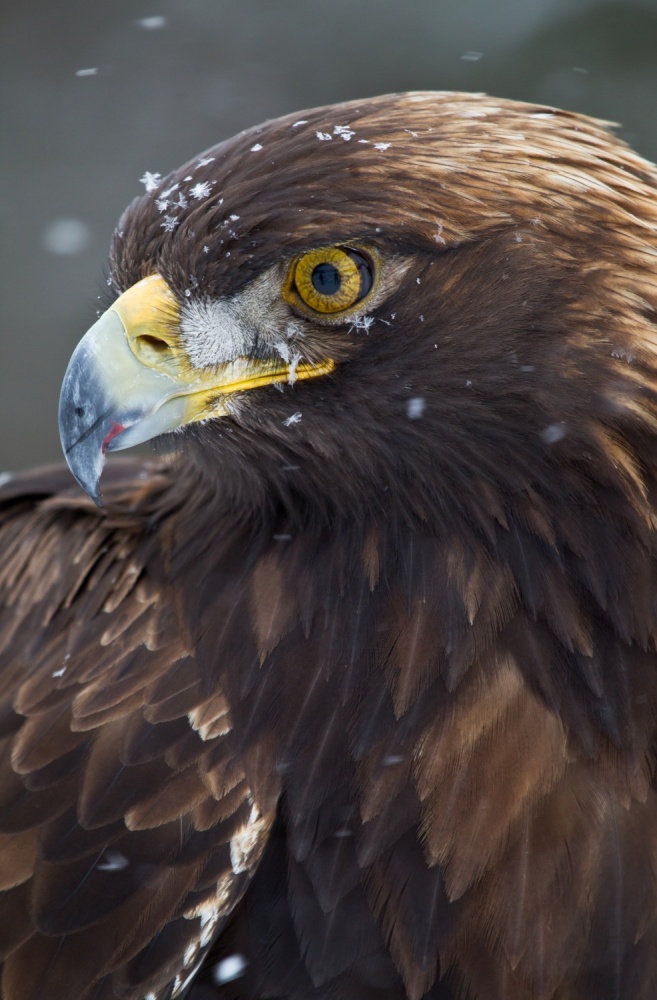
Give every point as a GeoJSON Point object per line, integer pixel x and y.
{"type": "Point", "coordinates": [353, 694]}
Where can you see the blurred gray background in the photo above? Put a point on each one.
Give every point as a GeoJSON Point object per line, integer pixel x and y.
{"type": "Point", "coordinates": [95, 92]}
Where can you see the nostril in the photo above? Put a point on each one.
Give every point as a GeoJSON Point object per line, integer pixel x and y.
{"type": "Point", "coordinates": [79, 411]}
{"type": "Point", "coordinates": [152, 343]}
{"type": "Point", "coordinates": [150, 348]}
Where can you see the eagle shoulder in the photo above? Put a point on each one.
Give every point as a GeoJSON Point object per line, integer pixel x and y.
{"type": "Point", "coordinates": [121, 802]}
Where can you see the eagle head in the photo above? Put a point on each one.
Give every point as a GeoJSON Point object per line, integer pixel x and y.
{"type": "Point", "coordinates": [421, 305]}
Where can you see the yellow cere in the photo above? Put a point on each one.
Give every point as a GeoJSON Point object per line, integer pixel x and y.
{"type": "Point", "coordinates": [330, 279]}
{"type": "Point", "coordinates": [150, 315]}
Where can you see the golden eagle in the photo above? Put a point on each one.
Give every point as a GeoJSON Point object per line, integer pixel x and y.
{"type": "Point", "coordinates": [352, 695]}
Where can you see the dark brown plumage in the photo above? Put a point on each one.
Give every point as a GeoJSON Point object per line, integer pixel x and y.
{"type": "Point", "coordinates": [360, 683]}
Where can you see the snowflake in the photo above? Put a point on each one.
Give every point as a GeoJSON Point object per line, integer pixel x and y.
{"type": "Point", "coordinates": [323, 136]}
{"type": "Point", "coordinates": [150, 180]}
{"type": "Point", "coordinates": [256, 148]}
{"type": "Point", "coordinates": [234, 218]}
{"type": "Point", "coordinates": [152, 23]}
{"type": "Point", "coordinates": [363, 323]}
{"type": "Point", "coordinates": [170, 223]}
{"type": "Point", "coordinates": [182, 201]}
{"type": "Point", "coordinates": [292, 370]}
{"type": "Point", "coordinates": [344, 131]}
{"type": "Point", "coordinates": [294, 419]}
{"type": "Point", "coordinates": [415, 407]}
{"type": "Point", "coordinates": [229, 968]}
{"type": "Point", "coordinates": [554, 433]}
{"type": "Point", "coordinates": [622, 354]}
{"type": "Point", "coordinates": [438, 236]}
{"type": "Point", "coordinates": [382, 145]}
{"type": "Point", "coordinates": [302, 121]}
{"type": "Point", "coordinates": [200, 190]}
{"type": "Point", "coordinates": [113, 861]}
{"type": "Point", "coordinates": [162, 204]}
{"type": "Point", "coordinates": [206, 249]}
{"type": "Point", "coordinates": [203, 162]}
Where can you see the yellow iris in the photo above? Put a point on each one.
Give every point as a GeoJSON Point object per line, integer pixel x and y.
{"type": "Point", "coordinates": [329, 279]}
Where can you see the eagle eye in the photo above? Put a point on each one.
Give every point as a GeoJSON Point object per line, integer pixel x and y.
{"type": "Point", "coordinates": [330, 280]}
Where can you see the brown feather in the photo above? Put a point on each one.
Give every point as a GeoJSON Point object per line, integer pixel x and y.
{"type": "Point", "coordinates": [369, 698]}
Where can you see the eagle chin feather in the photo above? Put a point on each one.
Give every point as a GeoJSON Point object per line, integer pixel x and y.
{"type": "Point", "coordinates": [353, 692]}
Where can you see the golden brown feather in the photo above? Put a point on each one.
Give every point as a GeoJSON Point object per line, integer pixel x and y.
{"type": "Point", "coordinates": [359, 685]}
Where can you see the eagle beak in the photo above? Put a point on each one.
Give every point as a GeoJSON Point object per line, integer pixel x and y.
{"type": "Point", "coordinates": [130, 380]}
{"type": "Point", "coordinates": [110, 393]}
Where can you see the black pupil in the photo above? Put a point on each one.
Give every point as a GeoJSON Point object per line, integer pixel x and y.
{"type": "Point", "coordinates": [326, 279]}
